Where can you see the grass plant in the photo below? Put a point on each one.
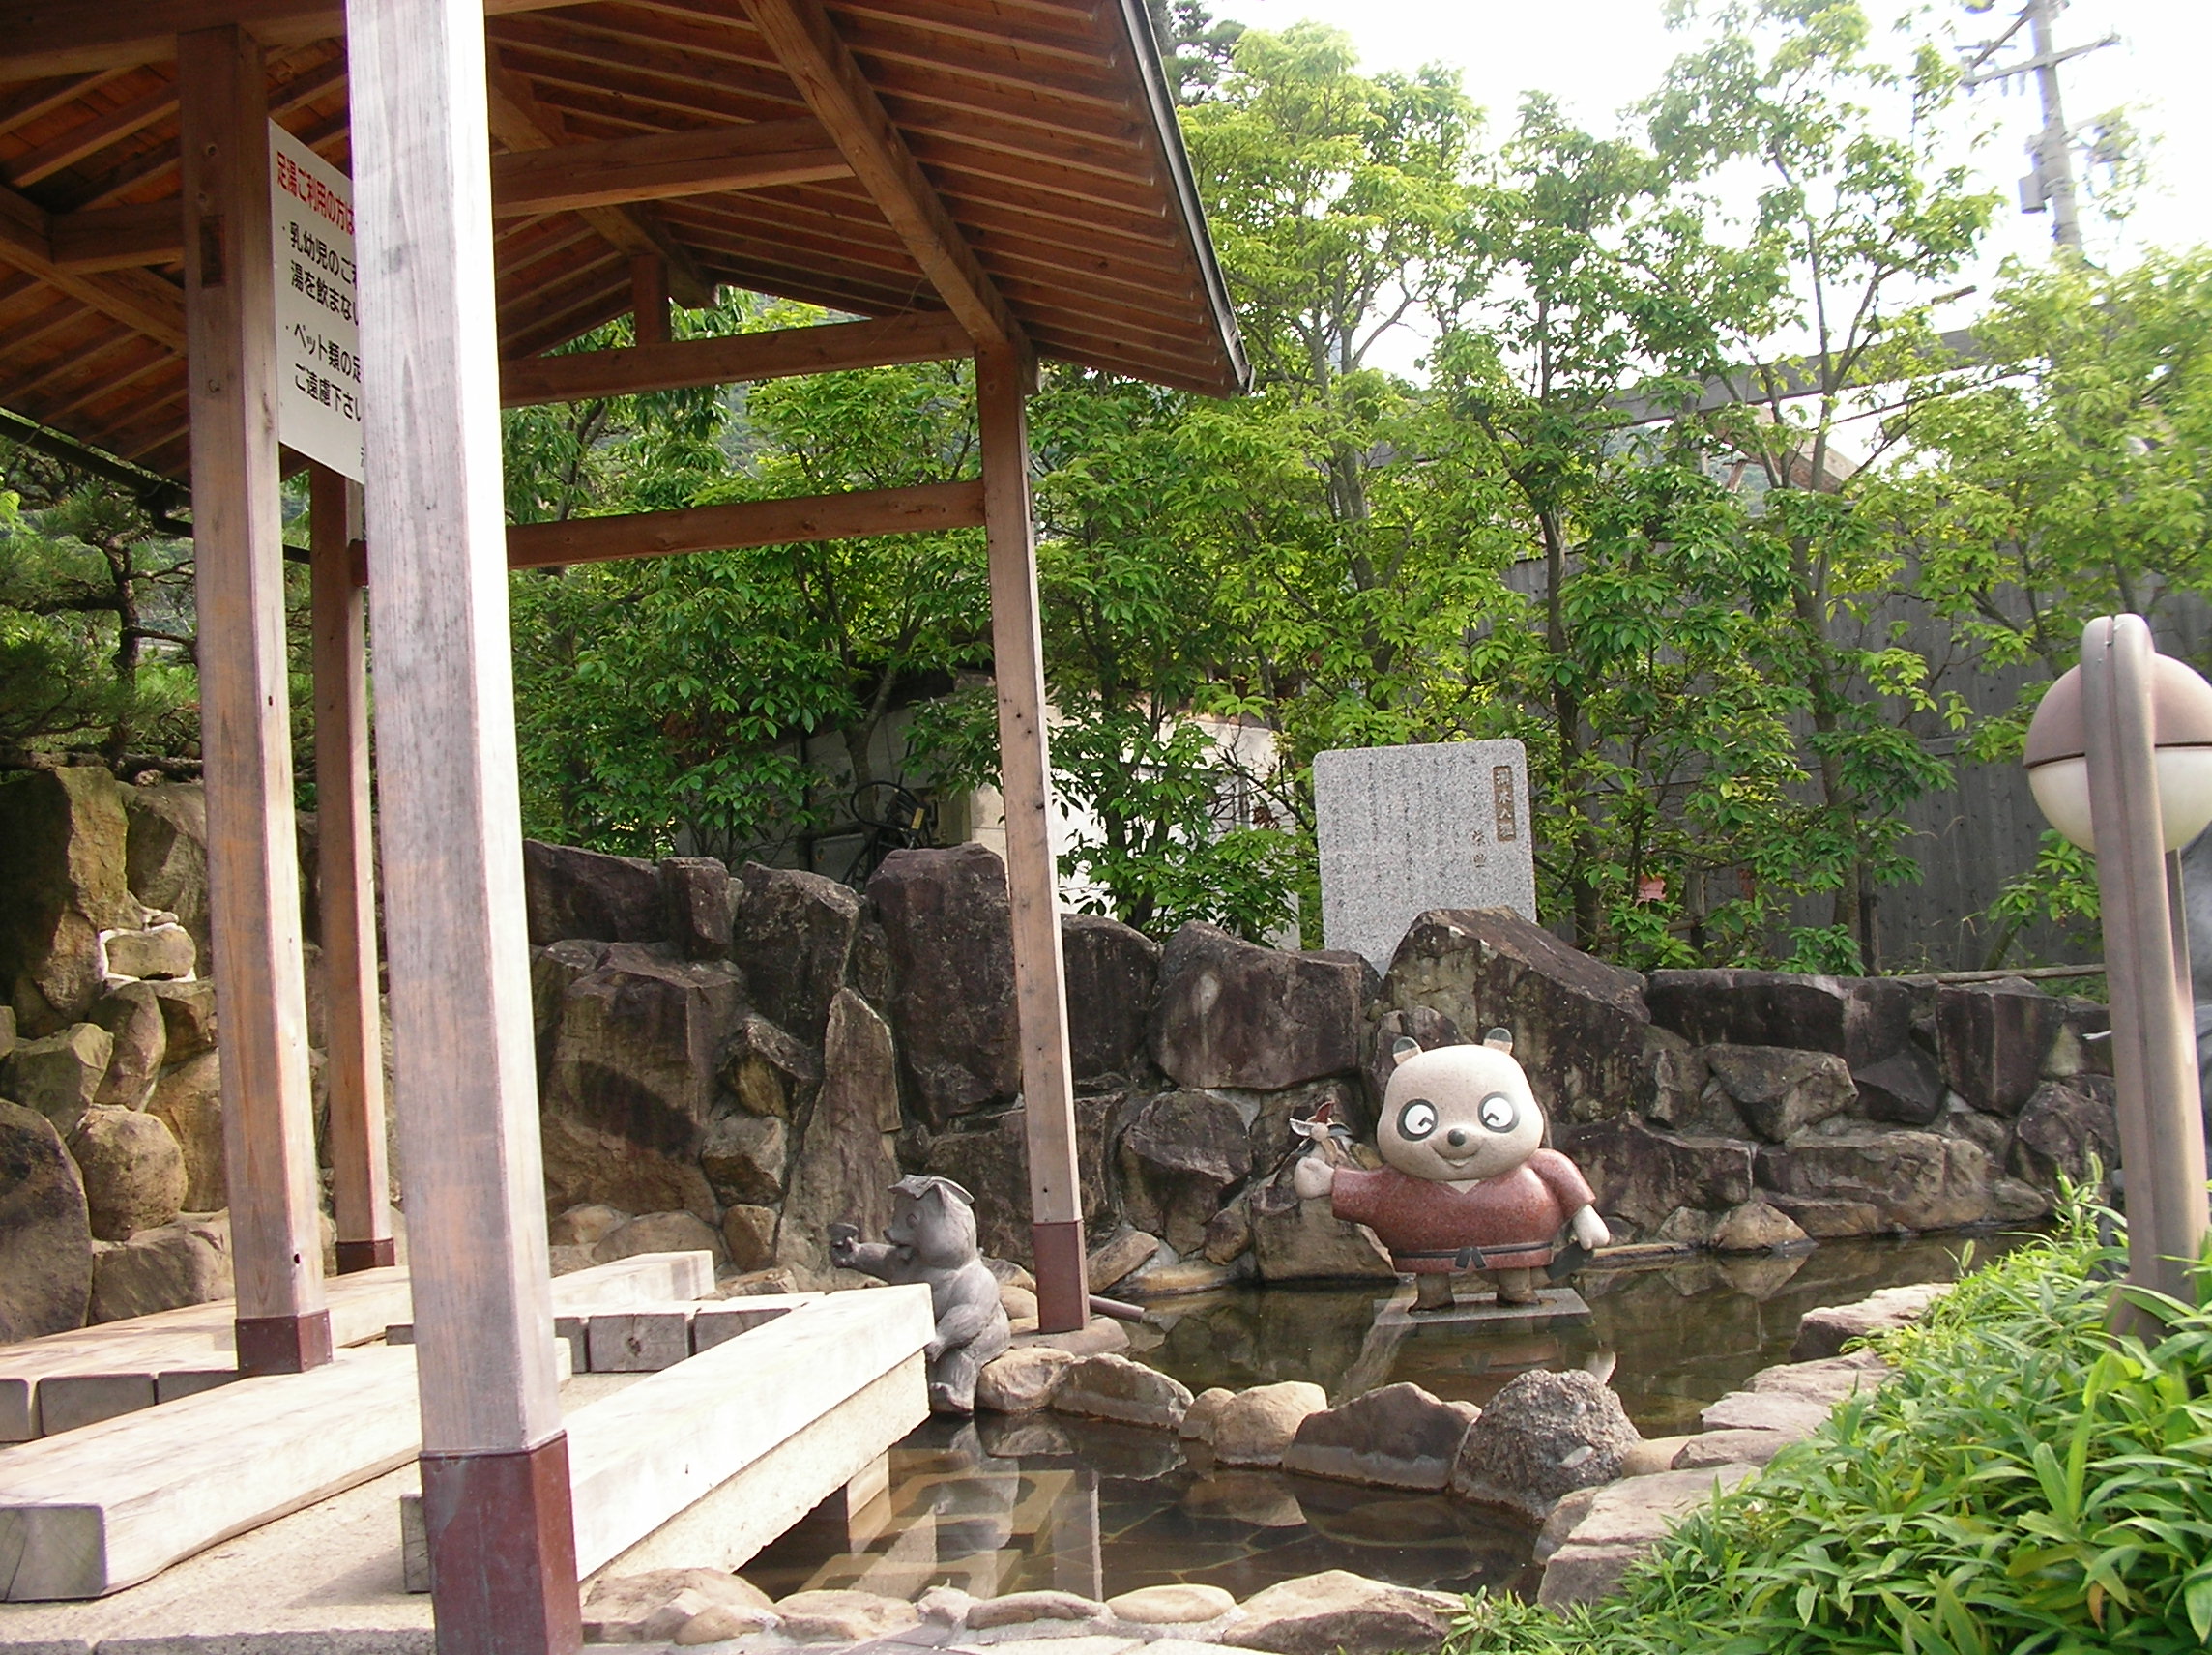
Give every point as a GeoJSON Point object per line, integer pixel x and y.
{"type": "Point", "coordinates": [2030, 1482]}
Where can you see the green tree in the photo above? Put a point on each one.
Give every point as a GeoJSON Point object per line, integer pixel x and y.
{"type": "Point", "coordinates": [1858, 210]}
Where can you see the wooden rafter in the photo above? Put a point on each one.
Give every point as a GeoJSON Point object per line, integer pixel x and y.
{"type": "Point", "coordinates": [118, 238]}
{"type": "Point", "coordinates": [819, 62]}
{"type": "Point", "coordinates": [520, 123]}
{"type": "Point", "coordinates": [662, 166]}
{"type": "Point", "coordinates": [135, 298]}
{"type": "Point", "coordinates": [739, 359]}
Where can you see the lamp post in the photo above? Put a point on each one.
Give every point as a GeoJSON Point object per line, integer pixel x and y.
{"type": "Point", "coordinates": [2119, 757]}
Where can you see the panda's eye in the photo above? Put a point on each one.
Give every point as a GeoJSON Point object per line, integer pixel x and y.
{"type": "Point", "coordinates": [1499, 1113]}
{"type": "Point", "coordinates": [1417, 1120]}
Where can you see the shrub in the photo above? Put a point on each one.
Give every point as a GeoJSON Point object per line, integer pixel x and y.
{"type": "Point", "coordinates": [2030, 1482]}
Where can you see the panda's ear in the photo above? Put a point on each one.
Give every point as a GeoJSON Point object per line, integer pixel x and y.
{"type": "Point", "coordinates": [1499, 1039]}
{"type": "Point", "coordinates": [1403, 1048]}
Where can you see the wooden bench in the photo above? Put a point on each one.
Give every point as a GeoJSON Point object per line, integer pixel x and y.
{"type": "Point", "coordinates": [67, 1380]}
{"type": "Point", "coordinates": [761, 1428]}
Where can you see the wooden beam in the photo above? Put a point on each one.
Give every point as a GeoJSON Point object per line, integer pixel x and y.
{"type": "Point", "coordinates": [253, 873]}
{"type": "Point", "coordinates": [661, 165]}
{"type": "Point", "coordinates": [118, 238]}
{"type": "Point", "coordinates": [361, 1194]}
{"type": "Point", "coordinates": [819, 62]}
{"type": "Point", "coordinates": [84, 37]}
{"type": "Point", "coordinates": [136, 299]}
{"type": "Point", "coordinates": [495, 1460]}
{"type": "Point", "coordinates": [1032, 884]}
{"type": "Point", "coordinates": [738, 359]}
{"type": "Point", "coordinates": [919, 508]}
{"type": "Point", "coordinates": [521, 123]}
{"type": "Point", "coordinates": [647, 305]}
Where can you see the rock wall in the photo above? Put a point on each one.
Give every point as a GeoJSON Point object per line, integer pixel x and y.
{"type": "Point", "coordinates": [110, 1112]}
{"type": "Point", "coordinates": [737, 1061]}
{"type": "Point", "coordinates": [854, 1032]}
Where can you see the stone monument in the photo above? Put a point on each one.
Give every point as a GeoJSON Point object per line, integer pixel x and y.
{"type": "Point", "coordinates": [1405, 829]}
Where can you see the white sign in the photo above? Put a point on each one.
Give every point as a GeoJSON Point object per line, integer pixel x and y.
{"type": "Point", "coordinates": [318, 322]}
{"type": "Point", "coordinates": [1405, 829]}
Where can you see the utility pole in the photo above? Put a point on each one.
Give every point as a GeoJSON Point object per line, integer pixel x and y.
{"type": "Point", "coordinates": [2050, 183]}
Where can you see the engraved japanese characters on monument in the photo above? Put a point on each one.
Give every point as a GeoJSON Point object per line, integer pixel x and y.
{"type": "Point", "coordinates": [1405, 829]}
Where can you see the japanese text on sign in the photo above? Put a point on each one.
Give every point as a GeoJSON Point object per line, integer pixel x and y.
{"type": "Point", "coordinates": [318, 325]}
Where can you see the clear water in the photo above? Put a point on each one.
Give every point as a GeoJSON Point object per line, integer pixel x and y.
{"type": "Point", "coordinates": [1002, 1504]}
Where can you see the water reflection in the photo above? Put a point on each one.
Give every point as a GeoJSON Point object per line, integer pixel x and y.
{"type": "Point", "coordinates": [1033, 1502]}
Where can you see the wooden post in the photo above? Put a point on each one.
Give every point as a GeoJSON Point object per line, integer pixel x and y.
{"type": "Point", "coordinates": [495, 1460]}
{"type": "Point", "coordinates": [1040, 983]}
{"type": "Point", "coordinates": [253, 871]}
{"type": "Point", "coordinates": [648, 297]}
{"type": "Point", "coordinates": [353, 1079]}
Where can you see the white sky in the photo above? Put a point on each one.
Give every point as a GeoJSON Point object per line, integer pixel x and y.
{"type": "Point", "coordinates": [1599, 56]}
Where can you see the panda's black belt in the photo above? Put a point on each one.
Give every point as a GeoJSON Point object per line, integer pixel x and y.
{"type": "Point", "coordinates": [1479, 1258]}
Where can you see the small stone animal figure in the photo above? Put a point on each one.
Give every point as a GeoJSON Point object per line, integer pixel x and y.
{"type": "Point", "coordinates": [932, 1240]}
{"type": "Point", "coordinates": [1467, 1185]}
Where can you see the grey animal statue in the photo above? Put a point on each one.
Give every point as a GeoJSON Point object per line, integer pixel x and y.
{"type": "Point", "coordinates": [931, 1238]}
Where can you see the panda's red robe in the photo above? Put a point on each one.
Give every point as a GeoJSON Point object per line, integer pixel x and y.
{"type": "Point", "coordinates": [1511, 1222]}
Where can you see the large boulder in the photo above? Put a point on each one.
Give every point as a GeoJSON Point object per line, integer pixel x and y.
{"type": "Point", "coordinates": [62, 883]}
{"type": "Point", "coordinates": [1230, 1013]}
{"type": "Point", "coordinates": [133, 1172]}
{"type": "Point", "coordinates": [1824, 1332]}
{"type": "Point", "coordinates": [61, 1075]}
{"type": "Point", "coordinates": [660, 1233]}
{"type": "Point", "coordinates": [1253, 1426]}
{"type": "Point", "coordinates": [188, 1015]}
{"type": "Point", "coordinates": [1544, 1435]}
{"type": "Point", "coordinates": [770, 1072]}
{"type": "Point", "coordinates": [162, 1268]}
{"type": "Point", "coordinates": [1180, 1153]}
{"type": "Point", "coordinates": [635, 1049]}
{"type": "Point", "coordinates": [950, 935]}
{"type": "Point", "coordinates": [1916, 1181]}
{"type": "Point", "coordinates": [132, 1018]}
{"type": "Point", "coordinates": [1994, 1037]}
{"type": "Point", "coordinates": [1619, 1525]}
{"type": "Point", "coordinates": [1398, 1436]}
{"type": "Point", "coordinates": [988, 1156]}
{"type": "Point", "coordinates": [1295, 1240]}
{"type": "Point", "coordinates": [1113, 1388]}
{"type": "Point", "coordinates": [188, 1099]}
{"type": "Point", "coordinates": [165, 855]}
{"type": "Point", "coordinates": [2063, 1127]}
{"type": "Point", "coordinates": [844, 1166]}
{"type": "Point", "coordinates": [573, 892]}
{"type": "Point", "coordinates": [45, 1236]}
{"type": "Point", "coordinates": [1861, 1019]}
{"type": "Point", "coordinates": [1643, 1175]}
{"type": "Point", "coordinates": [1578, 1025]}
{"type": "Point", "coordinates": [161, 953]}
{"type": "Point", "coordinates": [744, 1157]}
{"type": "Point", "coordinates": [793, 933]}
{"type": "Point", "coordinates": [586, 1163]}
{"type": "Point", "coordinates": [1337, 1613]}
{"type": "Point", "coordinates": [1112, 973]}
{"type": "Point", "coordinates": [695, 892]}
{"type": "Point", "coordinates": [1780, 1092]}
{"type": "Point", "coordinates": [1904, 1088]}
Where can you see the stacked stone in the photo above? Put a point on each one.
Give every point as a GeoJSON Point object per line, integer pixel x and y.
{"type": "Point", "coordinates": [110, 1118]}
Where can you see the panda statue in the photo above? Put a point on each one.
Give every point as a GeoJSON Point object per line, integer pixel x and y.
{"type": "Point", "coordinates": [1467, 1185]}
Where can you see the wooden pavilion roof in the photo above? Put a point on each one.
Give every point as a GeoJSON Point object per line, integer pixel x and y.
{"type": "Point", "coordinates": [1047, 186]}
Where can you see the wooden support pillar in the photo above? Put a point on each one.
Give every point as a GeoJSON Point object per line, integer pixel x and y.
{"type": "Point", "coordinates": [1040, 983]}
{"type": "Point", "coordinates": [354, 1080]}
{"type": "Point", "coordinates": [648, 297]}
{"type": "Point", "coordinates": [495, 1460]}
{"type": "Point", "coordinates": [253, 871]}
